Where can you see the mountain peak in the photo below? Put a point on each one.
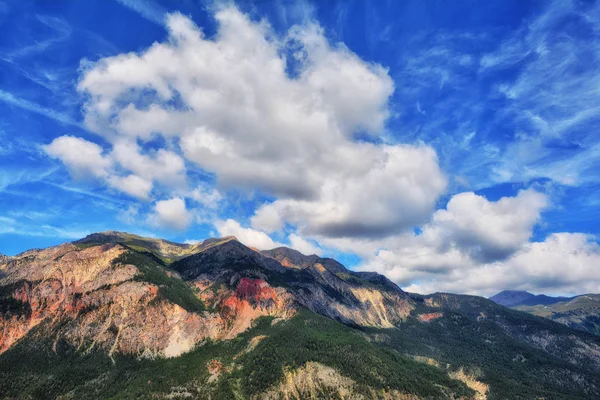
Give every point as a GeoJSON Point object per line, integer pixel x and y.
{"type": "Point", "coordinates": [289, 251]}
{"type": "Point", "coordinates": [118, 236]}
{"type": "Point", "coordinates": [290, 258]}
{"type": "Point", "coordinates": [514, 298]}
{"type": "Point", "coordinates": [510, 298]}
{"type": "Point", "coordinates": [517, 293]}
{"type": "Point", "coordinates": [166, 250]}
{"type": "Point", "coordinates": [211, 242]}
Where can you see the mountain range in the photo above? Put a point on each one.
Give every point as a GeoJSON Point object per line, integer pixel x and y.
{"type": "Point", "coordinates": [514, 298]}
{"type": "Point", "coordinates": [119, 316]}
{"type": "Point", "coordinates": [579, 312]}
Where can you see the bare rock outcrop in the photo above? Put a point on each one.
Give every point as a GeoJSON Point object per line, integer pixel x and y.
{"type": "Point", "coordinates": [317, 381]}
{"type": "Point", "coordinates": [91, 300]}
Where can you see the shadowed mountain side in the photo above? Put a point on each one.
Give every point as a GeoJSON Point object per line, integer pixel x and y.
{"type": "Point", "coordinates": [581, 312]}
{"type": "Point", "coordinates": [342, 296]}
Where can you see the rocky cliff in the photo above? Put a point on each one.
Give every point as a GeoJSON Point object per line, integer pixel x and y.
{"type": "Point", "coordinates": [95, 297]}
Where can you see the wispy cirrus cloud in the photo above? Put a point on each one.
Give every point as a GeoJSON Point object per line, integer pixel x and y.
{"type": "Point", "coordinates": [61, 29]}
{"type": "Point", "coordinates": [148, 9]}
{"type": "Point", "coordinates": [13, 177]}
{"type": "Point", "coordinates": [554, 101]}
{"type": "Point", "coordinates": [14, 226]}
{"type": "Point", "coordinates": [528, 103]}
{"type": "Point", "coordinates": [11, 99]}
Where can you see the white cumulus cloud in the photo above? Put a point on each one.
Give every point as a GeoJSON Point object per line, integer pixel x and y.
{"type": "Point", "coordinates": [133, 185]}
{"type": "Point", "coordinates": [488, 230]}
{"type": "Point", "coordinates": [304, 246]}
{"type": "Point", "coordinates": [232, 106]}
{"type": "Point", "coordinates": [564, 263]}
{"type": "Point", "coordinates": [81, 157]}
{"type": "Point", "coordinates": [171, 214]}
{"type": "Point", "coordinates": [248, 236]}
{"type": "Point", "coordinates": [469, 234]}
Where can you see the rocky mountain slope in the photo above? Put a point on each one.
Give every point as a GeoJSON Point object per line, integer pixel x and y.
{"type": "Point", "coordinates": [579, 312]}
{"type": "Point", "coordinates": [120, 316]}
{"type": "Point", "coordinates": [3, 258]}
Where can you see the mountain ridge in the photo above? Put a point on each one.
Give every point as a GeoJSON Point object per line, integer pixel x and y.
{"type": "Point", "coordinates": [579, 312]}
{"type": "Point", "coordinates": [116, 315]}
{"type": "Point", "coordinates": [512, 298]}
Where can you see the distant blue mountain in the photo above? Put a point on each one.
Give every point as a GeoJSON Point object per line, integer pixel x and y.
{"type": "Point", "coordinates": [513, 298]}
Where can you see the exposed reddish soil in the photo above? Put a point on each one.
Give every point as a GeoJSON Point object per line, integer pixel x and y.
{"type": "Point", "coordinates": [430, 317]}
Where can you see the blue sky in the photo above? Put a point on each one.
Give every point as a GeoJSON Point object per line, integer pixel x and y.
{"type": "Point", "coordinates": [449, 145]}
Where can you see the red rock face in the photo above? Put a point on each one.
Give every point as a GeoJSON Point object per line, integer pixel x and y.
{"type": "Point", "coordinates": [255, 289]}
{"type": "Point", "coordinates": [254, 298]}
{"type": "Point", "coordinates": [430, 317]}
{"type": "Point", "coordinates": [52, 284]}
